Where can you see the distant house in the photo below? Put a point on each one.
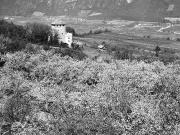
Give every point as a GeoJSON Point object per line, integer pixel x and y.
{"type": "Point", "coordinates": [79, 43]}
{"type": "Point", "coordinates": [59, 28]}
{"type": "Point", "coordinates": [101, 47]}
{"type": "Point", "coordinates": [6, 18]}
{"type": "Point", "coordinates": [38, 14]}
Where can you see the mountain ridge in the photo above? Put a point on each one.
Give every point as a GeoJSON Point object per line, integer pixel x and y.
{"type": "Point", "coordinates": [153, 10]}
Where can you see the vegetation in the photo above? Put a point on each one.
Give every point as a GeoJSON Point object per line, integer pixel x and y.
{"type": "Point", "coordinates": [164, 55]}
{"type": "Point", "coordinates": [71, 30]}
{"type": "Point", "coordinates": [37, 33]}
{"type": "Point", "coordinates": [51, 94]}
{"type": "Point", "coordinates": [98, 31]}
{"type": "Point", "coordinates": [157, 50]}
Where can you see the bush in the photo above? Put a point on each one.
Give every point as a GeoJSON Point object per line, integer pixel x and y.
{"type": "Point", "coordinates": [178, 39]}
{"type": "Point", "coordinates": [32, 48]}
{"type": "Point", "coordinates": [46, 47]}
{"type": "Point", "coordinates": [122, 54]}
{"type": "Point", "coordinates": [71, 30]}
{"type": "Point", "coordinates": [16, 45]}
{"type": "Point", "coordinates": [76, 54]}
{"type": "Point", "coordinates": [53, 40]}
{"type": "Point", "coordinates": [168, 58]}
{"type": "Point", "coordinates": [101, 31]}
{"type": "Point", "coordinates": [11, 45]}
{"type": "Point", "coordinates": [157, 50]}
{"type": "Point", "coordinates": [4, 42]}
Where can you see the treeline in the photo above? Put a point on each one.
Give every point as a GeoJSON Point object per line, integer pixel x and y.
{"type": "Point", "coordinates": [15, 37]}
{"type": "Point", "coordinates": [98, 31]}
{"type": "Point", "coordinates": [165, 55]}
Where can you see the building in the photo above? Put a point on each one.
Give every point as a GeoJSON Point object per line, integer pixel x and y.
{"type": "Point", "coordinates": [63, 37]}
{"type": "Point", "coordinates": [80, 44]}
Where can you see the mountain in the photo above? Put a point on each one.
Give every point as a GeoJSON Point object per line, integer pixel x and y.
{"type": "Point", "coordinates": [151, 10]}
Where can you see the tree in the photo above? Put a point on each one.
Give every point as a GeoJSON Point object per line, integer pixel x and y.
{"type": "Point", "coordinates": [157, 50]}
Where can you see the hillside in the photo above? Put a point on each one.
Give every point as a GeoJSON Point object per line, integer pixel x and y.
{"type": "Point", "coordinates": [59, 95]}
{"type": "Point", "coordinates": [109, 9]}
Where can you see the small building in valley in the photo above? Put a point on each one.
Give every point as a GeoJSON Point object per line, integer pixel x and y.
{"type": "Point", "coordinates": [63, 36]}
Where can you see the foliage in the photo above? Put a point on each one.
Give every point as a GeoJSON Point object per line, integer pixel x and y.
{"type": "Point", "coordinates": [70, 30]}
{"type": "Point", "coordinates": [11, 30]}
{"type": "Point", "coordinates": [157, 50]}
{"type": "Point", "coordinates": [53, 40]}
{"type": "Point", "coordinates": [122, 54]}
{"type": "Point", "coordinates": [76, 54]}
{"type": "Point", "coordinates": [68, 96]}
{"type": "Point", "coordinates": [37, 33]}
{"type": "Point", "coordinates": [97, 31]}
{"type": "Point", "coordinates": [11, 45]}
{"type": "Point", "coordinates": [4, 41]}
{"type": "Point", "coordinates": [32, 48]}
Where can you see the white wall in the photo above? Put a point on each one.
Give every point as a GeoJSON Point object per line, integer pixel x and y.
{"type": "Point", "coordinates": [61, 31]}
{"type": "Point", "coordinates": [69, 39]}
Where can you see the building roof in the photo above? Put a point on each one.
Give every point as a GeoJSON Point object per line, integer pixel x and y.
{"type": "Point", "coordinates": [100, 46]}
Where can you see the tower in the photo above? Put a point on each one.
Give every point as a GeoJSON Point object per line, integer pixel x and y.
{"type": "Point", "coordinates": [60, 29]}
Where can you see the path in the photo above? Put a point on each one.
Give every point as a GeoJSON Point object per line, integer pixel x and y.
{"type": "Point", "coordinates": [163, 28]}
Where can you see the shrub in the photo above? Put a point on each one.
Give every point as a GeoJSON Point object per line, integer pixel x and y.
{"type": "Point", "coordinates": [76, 54]}
{"type": "Point", "coordinates": [4, 42]}
{"type": "Point", "coordinates": [16, 45]}
{"type": "Point", "coordinates": [168, 50]}
{"type": "Point", "coordinates": [157, 50]}
{"type": "Point", "coordinates": [11, 45]}
{"type": "Point", "coordinates": [167, 58]}
{"type": "Point", "coordinates": [178, 39]}
{"type": "Point", "coordinates": [71, 30]}
{"type": "Point", "coordinates": [53, 40]}
{"type": "Point", "coordinates": [32, 48]}
{"type": "Point", "coordinates": [46, 47]}
{"type": "Point", "coordinates": [122, 54]}
{"type": "Point", "coordinates": [168, 38]}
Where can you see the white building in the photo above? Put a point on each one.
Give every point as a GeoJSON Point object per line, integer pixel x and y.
{"type": "Point", "coordinates": [60, 29]}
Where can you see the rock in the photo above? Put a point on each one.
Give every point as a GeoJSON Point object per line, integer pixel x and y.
{"type": "Point", "coordinates": [45, 117]}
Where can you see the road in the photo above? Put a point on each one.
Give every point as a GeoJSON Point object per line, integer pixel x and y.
{"type": "Point", "coordinates": [163, 28]}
